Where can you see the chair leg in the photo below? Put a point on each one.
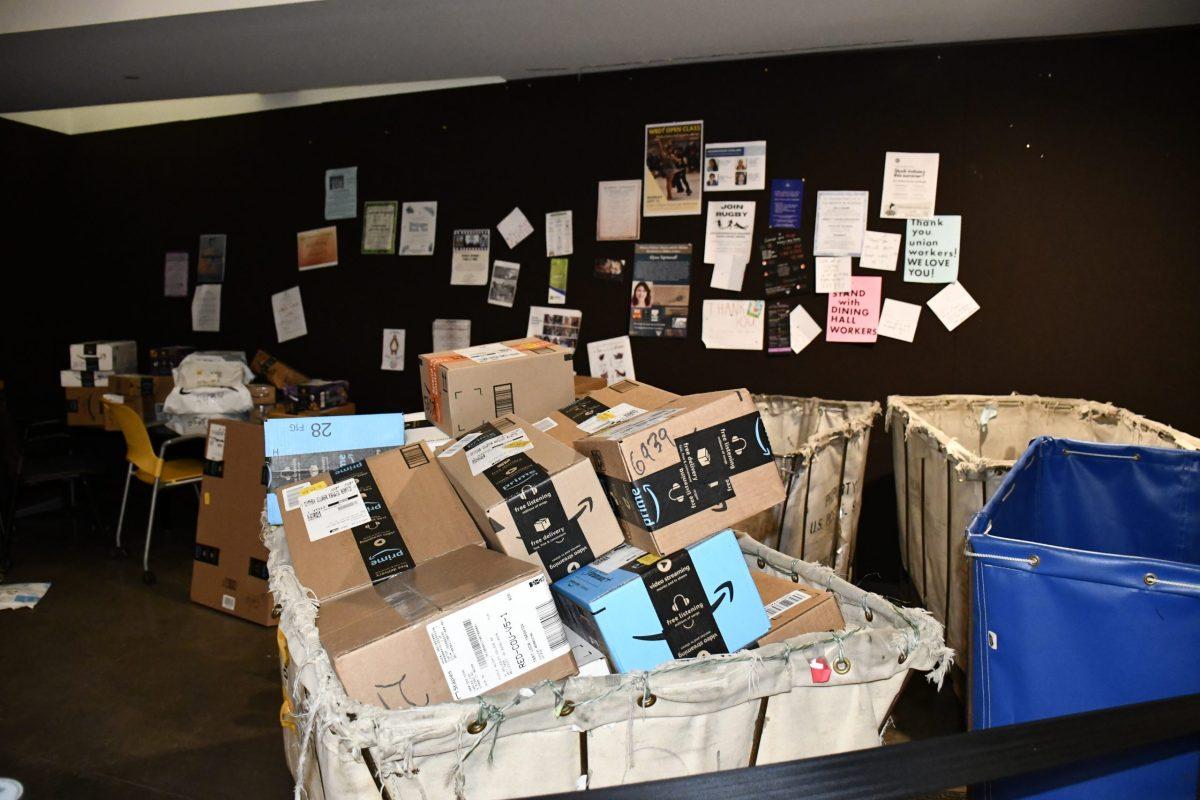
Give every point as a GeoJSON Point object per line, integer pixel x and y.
{"type": "Point", "coordinates": [91, 502]}
{"type": "Point", "coordinates": [147, 575]}
{"type": "Point", "coordinates": [121, 516]}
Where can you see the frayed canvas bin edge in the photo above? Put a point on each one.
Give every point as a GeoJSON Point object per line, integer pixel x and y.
{"type": "Point", "coordinates": [359, 748]}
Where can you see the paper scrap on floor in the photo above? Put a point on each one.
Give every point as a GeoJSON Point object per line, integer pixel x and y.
{"type": "Point", "coordinates": [22, 595]}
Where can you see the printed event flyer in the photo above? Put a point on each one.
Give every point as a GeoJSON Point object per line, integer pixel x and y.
{"type": "Point", "coordinates": [672, 185]}
{"type": "Point", "coordinates": [658, 303]}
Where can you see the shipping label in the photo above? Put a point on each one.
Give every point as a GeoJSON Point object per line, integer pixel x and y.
{"type": "Point", "coordinates": [335, 508]}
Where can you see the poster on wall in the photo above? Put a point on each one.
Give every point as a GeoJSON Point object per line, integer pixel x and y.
{"type": "Point", "coordinates": [671, 185]}
{"type": "Point", "coordinates": [880, 251]}
{"type": "Point", "coordinates": [618, 211]}
{"type": "Point", "coordinates": [560, 233]}
{"type": "Point", "coordinates": [557, 294]}
{"type": "Point", "coordinates": [379, 227]}
{"type": "Point", "coordinates": [735, 166]}
{"type": "Point", "coordinates": [555, 325]}
{"type": "Point", "coordinates": [787, 201]}
{"type": "Point", "coordinates": [732, 324]}
{"type": "Point", "coordinates": [288, 310]}
{"type": "Point", "coordinates": [785, 267]}
{"type": "Point", "coordinates": [451, 334]}
{"type": "Point", "coordinates": [931, 249]}
{"type": "Point", "coordinates": [898, 320]}
{"type": "Point", "coordinates": [317, 248]}
{"type": "Point", "coordinates": [393, 350]}
{"type": "Point", "coordinates": [778, 339]}
{"type": "Point", "coordinates": [658, 302]}
{"type": "Point", "coordinates": [953, 305]}
{"type": "Point", "coordinates": [804, 329]}
{"type": "Point", "coordinates": [210, 266]}
{"type": "Point", "coordinates": [729, 229]}
{"type": "Point", "coordinates": [206, 308]}
{"type": "Point", "coordinates": [418, 228]}
{"type": "Point", "coordinates": [909, 185]}
{"type": "Point", "coordinates": [611, 359]}
{"type": "Point", "coordinates": [175, 275]}
{"type": "Point", "coordinates": [841, 223]}
{"type": "Point", "coordinates": [341, 193]}
{"type": "Point", "coordinates": [854, 315]}
{"type": "Point", "coordinates": [514, 228]}
{"type": "Point", "coordinates": [503, 291]}
{"type": "Point", "coordinates": [470, 252]}
{"type": "Point", "coordinates": [610, 269]}
{"type": "Point", "coordinates": [832, 274]}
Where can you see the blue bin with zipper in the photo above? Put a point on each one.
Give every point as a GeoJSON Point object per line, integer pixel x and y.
{"type": "Point", "coordinates": [1085, 594]}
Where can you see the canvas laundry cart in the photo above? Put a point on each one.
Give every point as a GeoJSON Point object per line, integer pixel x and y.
{"type": "Point", "coordinates": [820, 449]}
{"type": "Point", "coordinates": [951, 453]}
{"type": "Point", "coordinates": [1085, 575]}
{"type": "Point", "coordinates": [683, 718]}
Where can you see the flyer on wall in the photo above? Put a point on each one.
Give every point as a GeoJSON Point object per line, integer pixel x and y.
{"type": "Point", "coordinates": [555, 325]}
{"type": "Point", "coordinates": [610, 269]}
{"type": "Point", "coordinates": [779, 339]}
{"type": "Point", "coordinates": [732, 324]}
{"type": "Point", "coordinates": [451, 334]}
{"type": "Point", "coordinates": [557, 294]}
{"type": "Point", "coordinates": [611, 359]}
{"type": "Point", "coordinates": [175, 275]}
{"type": "Point", "coordinates": [503, 291]}
{"type": "Point", "coordinates": [469, 257]}
{"type": "Point", "coordinates": [785, 268]}
{"type": "Point", "coordinates": [559, 234]}
{"type": "Point", "coordinates": [618, 211]}
{"type": "Point", "coordinates": [658, 303]}
{"type": "Point", "coordinates": [317, 248]}
{"type": "Point", "coordinates": [379, 227]}
{"type": "Point", "coordinates": [841, 223]}
{"type": "Point", "coordinates": [418, 228]}
{"type": "Point", "coordinates": [909, 185]}
{"type": "Point", "coordinates": [393, 350]}
{"type": "Point", "coordinates": [735, 166]}
{"type": "Point", "coordinates": [671, 185]}
{"type": "Point", "coordinates": [341, 193]}
{"type": "Point", "coordinates": [210, 266]}
{"type": "Point", "coordinates": [787, 201]}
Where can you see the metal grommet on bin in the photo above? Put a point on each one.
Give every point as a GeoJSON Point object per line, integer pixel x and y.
{"type": "Point", "coordinates": [1034, 561]}
{"type": "Point", "coordinates": [647, 700]}
{"type": "Point", "coordinates": [868, 614]}
{"type": "Point", "coordinates": [277, 611]}
{"type": "Point", "coordinates": [903, 657]}
{"type": "Point", "coordinates": [762, 563]}
{"type": "Point", "coordinates": [476, 726]}
{"type": "Point", "coordinates": [566, 708]}
{"type": "Point", "coordinates": [841, 665]}
{"type": "Point", "coordinates": [1150, 579]}
{"type": "Point", "coordinates": [795, 578]}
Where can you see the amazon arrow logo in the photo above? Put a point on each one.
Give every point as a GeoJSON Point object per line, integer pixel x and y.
{"type": "Point", "coordinates": [585, 505]}
{"type": "Point", "coordinates": [723, 589]}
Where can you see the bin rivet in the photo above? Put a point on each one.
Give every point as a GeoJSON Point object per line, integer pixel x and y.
{"type": "Point", "coordinates": [276, 612]}
{"type": "Point", "coordinates": [476, 726]}
{"type": "Point", "coordinates": [566, 708]}
{"type": "Point", "coordinates": [1150, 579]}
{"type": "Point", "coordinates": [1034, 561]}
{"type": "Point", "coordinates": [869, 614]}
{"type": "Point", "coordinates": [903, 657]}
{"type": "Point", "coordinates": [795, 578]}
{"type": "Point", "coordinates": [841, 666]}
{"type": "Point", "coordinates": [647, 700]}
{"type": "Point", "coordinates": [762, 563]}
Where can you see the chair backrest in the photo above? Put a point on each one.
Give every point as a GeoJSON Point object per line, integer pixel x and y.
{"type": "Point", "coordinates": [138, 449]}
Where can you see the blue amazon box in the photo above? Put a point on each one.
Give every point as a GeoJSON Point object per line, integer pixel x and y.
{"type": "Point", "coordinates": [298, 448]}
{"type": "Point", "coordinates": [643, 609]}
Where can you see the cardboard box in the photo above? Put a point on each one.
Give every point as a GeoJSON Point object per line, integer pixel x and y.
{"type": "Point", "coordinates": [85, 406]}
{"type": "Point", "coordinates": [263, 394]}
{"type": "Point", "coordinates": [584, 384]}
{"type": "Point", "coordinates": [319, 395]}
{"type": "Point", "coordinates": [602, 409]}
{"type": "Point", "coordinates": [533, 498]}
{"type": "Point", "coordinates": [589, 660]}
{"type": "Point", "coordinates": [275, 371]}
{"type": "Point", "coordinates": [463, 389]}
{"type": "Point", "coordinates": [372, 519]}
{"type": "Point", "coordinates": [695, 602]}
{"type": "Point", "coordinates": [75, 378]}
{"type": "Point", "coordinates": [107, 356]}
{"type": "Point", "coordinates": [164, 359]}
{"type": "Point", "coordinates": [794, 609]}
{"type": "Point", "coordinates": [229, 565]}
{"type": "Point", "coordinates": [145, 394]}
{"type": "Point", "coordinates": [299, 448]}
{"type": "Point", "coordinates": [419, 429]}
{"type": "Point", "coordinates": [684, 471]}
{"type": "Point", "coordinates": [465, 624]}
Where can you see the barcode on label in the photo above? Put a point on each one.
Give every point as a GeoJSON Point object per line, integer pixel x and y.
{"type": "Point", "coordinates": [414, 456]}
{"type": "Point", "coordinates": [503, 395]}
{"type": "Point", "coordinates": [228, 603]}
{"type": "Point", "coordinates": [476, 644]}
{"type": "Point", "coordinates": [552, 625]}
{"type": "Point", "coordinates": [777, 607]}
{"type": "Point", "coordinates": [291, 495]}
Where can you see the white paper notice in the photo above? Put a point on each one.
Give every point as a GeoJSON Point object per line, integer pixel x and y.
{"type": "Point", "coordinates": [487, 353]}
{"type": "Point", "coordinates": [495, 450]}
{"type": "Point", "coordinates": [733, 324]}
{"type": "Point", "coordinates": [618, 211]}
{"type": "Point", "coordinates": [880, 251]}
{"type": "Point", "coordinates": [418, 228]}
{"type": "Point", "coordinates": [291, 495]}
{"type": "Point", "coordinates": [498, 638]}
{"type": "Point", "coordinates": [175, 275]}
{"type": "Point", "coordinates": [559, 234]}
{"type": "Point", "coordinates": [289, 314]}
{"type": "Point", "coordinates": [909, 185]}
{"type": "Point", "coordinates": [953, 305]}
{"type": "Point", "coordinates": [393, 350]}
{"type": "Point", "coordinates": [728, 274]}
{"type": "Point", "coordinates": [469, 257]}
{"type": "Point", "coordinates": [335, 508]}
{"type": "Point", "coordinates": [451, 334]}
{"type": "Point", "coordinates": [609, 417]}
{"type": "Point", "coordinates": [841, 222]}
{"type": "Point", "coordinates": [341, 193]}
{"type": "Point", "coordinates": [735, 166]}
{"type": "Point", "coordinates": [833, 274]}
{"type": "Point", "coordinates": [503, 291]}
{"type": "Point", "coordinates": [898, 320]}
{"type": "Point", "coordinates": [611, 359]}
{"type": "Point", "coordinates": [514, 228]}
{"type": "Point", "coordinates": [206, 307]}
{"type": "Point", "coordinates": [729, 231]}
{"type": "Point", "coordinates": [803, 329]}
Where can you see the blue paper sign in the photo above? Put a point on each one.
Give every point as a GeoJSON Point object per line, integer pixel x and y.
{"type": "Point", "coordinates": [787, 198]}
{"type": "Point", "coordinates": [931, 249]}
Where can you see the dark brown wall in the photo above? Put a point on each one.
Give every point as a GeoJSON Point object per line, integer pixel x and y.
{"type": "Point", "coordinates": [1074, 164]}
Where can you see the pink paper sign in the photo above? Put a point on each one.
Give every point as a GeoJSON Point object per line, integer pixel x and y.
{"type": "Point", "coordinates": [854, 315]}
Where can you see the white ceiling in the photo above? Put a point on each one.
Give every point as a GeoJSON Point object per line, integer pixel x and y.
{"type": "Point", "coordinates": [92, 52]}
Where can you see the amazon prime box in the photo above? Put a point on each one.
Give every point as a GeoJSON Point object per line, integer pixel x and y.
{"type": "Point", "coordinates": [602, 408]}
{"type": "Point", "coordinates": [532, 497]}
{"type": "Point", "coordinates": [694, 466]}
{"type": "Point", "coordinates": [644, 609]}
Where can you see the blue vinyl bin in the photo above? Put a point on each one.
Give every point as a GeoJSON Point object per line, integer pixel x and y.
{"type": "Point", "coordinates": [1085, 594]}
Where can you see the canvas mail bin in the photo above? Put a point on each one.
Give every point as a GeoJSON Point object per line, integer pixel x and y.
{"type": "Point", "coordinates": [951, 453]}
{"type": "Point", "coordinates": [820, 448]}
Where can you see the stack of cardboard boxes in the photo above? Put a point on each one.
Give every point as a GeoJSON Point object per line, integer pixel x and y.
{"type": "Point", "coordinates": [611, 512]}
{"type": "Point", "coordinates": [294, 393]}
{"type": "Point", "coordinates": [108, 371]}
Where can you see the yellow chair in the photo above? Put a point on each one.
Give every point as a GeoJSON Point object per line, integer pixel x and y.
{"type": "Point", "coordinates": [151, 469]}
